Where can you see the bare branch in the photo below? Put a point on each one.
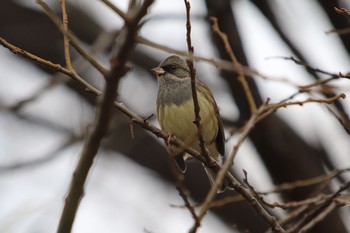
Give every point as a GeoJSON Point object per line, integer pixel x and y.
{"type": "Point", "coordinates": [183, 191]}
{"type": "Point", "coordinates": [320, 212]}
{"type": "Point", "coordinates": [235, 63]}
{"type": "Point", "coordinates": [197, 118]}
{"type": "Point", "coordinates": [75, 42]}
{"type": "Point", "coordinates": [240, 188]}
{"type": "Point", "coordinates": [65, 36]}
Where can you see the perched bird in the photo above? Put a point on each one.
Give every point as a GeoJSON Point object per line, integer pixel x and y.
{"type": "Point", "coordinates": [175, 110]}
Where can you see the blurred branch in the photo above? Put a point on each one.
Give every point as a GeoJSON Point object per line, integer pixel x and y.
{"type": "Point", "coordinates": [43, 159]}
{"type": "Point", "coordinates": [102, 119]}
{"type": "Point", "coordinates": [307, 66]}
{"type": "Point", "coordinates": [344, 12]}
{"type": "Point", "coordinates": [53, 82]}
{"type": "Point", "coordinates": [342, 31]}
{"type": "Point", "coordinates": [183, 191]}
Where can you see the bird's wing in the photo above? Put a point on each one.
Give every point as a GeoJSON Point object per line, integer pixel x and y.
{"type": "Point", "coordinates": [220, 137]}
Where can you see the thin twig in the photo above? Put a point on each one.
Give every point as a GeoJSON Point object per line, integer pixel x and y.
{"type": "Point", "coordinates": [285, 187]}
{"type": "Point", "coordinates": [318, 82]}
{"type": "Point", "coordinates": [309, 100]}
{"type": "Point", "coordinates": [274, 107]}
{"type": "Point", "coordinates": [318, 213]}
{"type": "Point", "coordinates": [217, 203]}
{"type": "Point", "coordinates": [197, 118]}
{"type": "Point", "coordinates": [65, 36]}
{"type": "Point", "coordinates": [244, 191]}
{"type": "Point", "coordinates": [319, 199]}
{"type": "Point", "coordinates": [319, 217]}
{"type": "Point", "coordinates": [74, 41]}
{"type": "Point", "coordinates": [235, 63]}
{"type": "Point", "coordinates": [181, 187]}
{"type": "Point", "coordinates": [340, 117]}
{"type": "Point", "coordinates": [306, 66]}
{"type": "Point", "coordinates": [293, 215]}
{"type": "Point", "coordinates": [307, 182]}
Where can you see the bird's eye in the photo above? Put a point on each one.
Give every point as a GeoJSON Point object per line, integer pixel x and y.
{"type": "Point", "coordinates": [169, 68]}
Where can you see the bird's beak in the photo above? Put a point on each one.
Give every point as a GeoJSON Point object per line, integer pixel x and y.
{"type": "Point", "coordinates": [158, 71]}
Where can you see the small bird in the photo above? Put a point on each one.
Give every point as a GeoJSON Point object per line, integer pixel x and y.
{"type": "Point", "coordinates": [175, 110]}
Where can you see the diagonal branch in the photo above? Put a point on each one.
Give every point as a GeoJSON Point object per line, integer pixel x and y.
{"type": "Point", "coordinates": [235, 63]}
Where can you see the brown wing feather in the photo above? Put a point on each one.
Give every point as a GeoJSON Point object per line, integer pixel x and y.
{"type": "Point", "coordinates": [220, 137]}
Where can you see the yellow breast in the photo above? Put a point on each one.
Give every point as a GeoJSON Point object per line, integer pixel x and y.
{"type": "Point", "coordinates": [178, 120]}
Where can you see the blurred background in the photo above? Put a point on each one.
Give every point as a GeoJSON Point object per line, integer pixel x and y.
{"type": "Point", "coordinates": [44, 116]}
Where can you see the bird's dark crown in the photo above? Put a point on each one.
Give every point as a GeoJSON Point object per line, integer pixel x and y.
{"type": "Point", "coordinates": [176, 66]}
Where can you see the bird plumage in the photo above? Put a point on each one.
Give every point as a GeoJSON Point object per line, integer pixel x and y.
{"type": "Point", "coordinates": [175, 110]}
